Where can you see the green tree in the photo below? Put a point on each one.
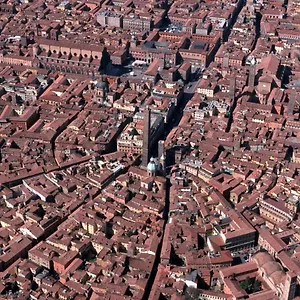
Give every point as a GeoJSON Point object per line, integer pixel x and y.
{"type": "Point", "coordinates": [245, 284]}
{"type": "Point", "coordinates": [250, 285]}
{"type": "Point", "coordinates": [256, 286]}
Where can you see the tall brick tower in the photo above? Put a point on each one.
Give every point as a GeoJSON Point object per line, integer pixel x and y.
{"type": "Point", "coordinates": [292, 101]}
{"type": "Point", "coordinates": [146, 137]}
{"type": "Point", "coordinates": [232, 88]}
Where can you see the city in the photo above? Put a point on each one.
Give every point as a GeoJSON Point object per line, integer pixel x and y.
{"type": "Point", "coordinates": [150, 149]}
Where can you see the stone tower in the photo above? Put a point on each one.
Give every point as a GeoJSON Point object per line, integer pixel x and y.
{"type": "Point", "coordinates": [162, 156]}
{"type": "Point", "coordinates": [161, 148]}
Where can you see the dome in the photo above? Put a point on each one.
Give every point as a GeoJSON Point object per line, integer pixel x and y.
{"type": "Point", "coordinates": [151, 167]}
{"type": "Point", "coordinates": [270, 267]}
{"type": "Point", "coordinates": [278, 277]}
{"type": "Point", "coordinates": [101, 85]}
{"type": "Point", "coordinates": [262, 257]}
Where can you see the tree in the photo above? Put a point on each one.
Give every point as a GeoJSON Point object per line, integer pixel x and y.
{"type": "Point", "coordinates": [256, 286]}
{"type": "Point", "coordinates": [250, 285]}
{"type": "Point", "coordinates": [245, 284]}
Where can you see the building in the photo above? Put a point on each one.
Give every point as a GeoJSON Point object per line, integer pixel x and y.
{"type": "Point", "coordinates": [134, 139]}
{"type": "Point", "coordinates": [275, 212]}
